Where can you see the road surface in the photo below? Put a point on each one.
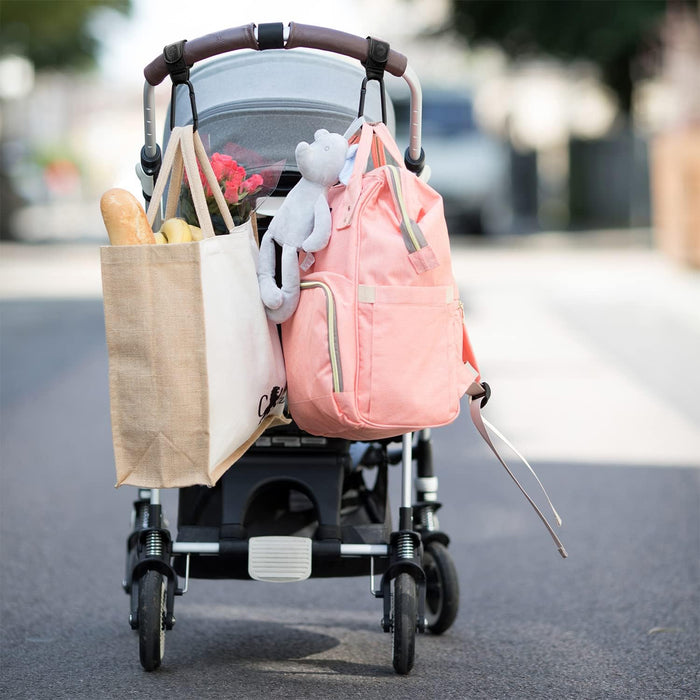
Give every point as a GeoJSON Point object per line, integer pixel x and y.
{"type": "Point", "coordinates": [620, 618]}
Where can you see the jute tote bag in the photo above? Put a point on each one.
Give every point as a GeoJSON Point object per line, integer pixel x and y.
{"type": "Point", "coordinates": [196, 371]}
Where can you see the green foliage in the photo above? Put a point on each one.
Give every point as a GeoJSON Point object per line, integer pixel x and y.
{"type": "Point", "coordinates": [610, 33]}
{"type": "Point", "coordinates": [53, 33]}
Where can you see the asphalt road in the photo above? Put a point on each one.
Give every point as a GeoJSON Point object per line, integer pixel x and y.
{"type": "Point", "coordinates": [619, 619]}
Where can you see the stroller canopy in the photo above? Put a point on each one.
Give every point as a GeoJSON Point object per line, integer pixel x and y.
{"type": "Point", "coordinates": [264, 103]}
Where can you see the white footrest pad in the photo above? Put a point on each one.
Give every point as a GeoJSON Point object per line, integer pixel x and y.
{"type": "Point", "coordinates": [279, 559]}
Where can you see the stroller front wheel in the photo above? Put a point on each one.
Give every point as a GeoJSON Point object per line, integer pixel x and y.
{"type": "Point", "coordinates": [404, 608]}
{"type": "Point", "coordinates": [151, 619]}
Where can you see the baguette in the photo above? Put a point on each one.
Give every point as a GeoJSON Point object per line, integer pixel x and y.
{"type": "Point", "coordinates": [125, 218]}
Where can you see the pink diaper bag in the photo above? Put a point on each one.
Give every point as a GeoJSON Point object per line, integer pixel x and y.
{"type": "Point", "coordinates": [377, 346]}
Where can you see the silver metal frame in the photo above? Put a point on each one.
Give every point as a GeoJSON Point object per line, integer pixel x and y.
{"type": "Point", "coordinates": [346, 550]}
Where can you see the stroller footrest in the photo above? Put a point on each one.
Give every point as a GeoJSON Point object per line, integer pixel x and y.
{"type": "Point", "coordinates": [279, 559]}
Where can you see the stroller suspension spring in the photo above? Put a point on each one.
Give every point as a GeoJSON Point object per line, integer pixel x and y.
{"type": "Point", "coordinates": [428, 519]}
{"type": "Point", "coordinates": [154, 545]}
{"type": "Point", "coordinates": [405, 547]}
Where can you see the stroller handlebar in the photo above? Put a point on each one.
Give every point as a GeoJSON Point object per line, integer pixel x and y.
{"type": "Point", "coordinates": [300, 36]}
{"type": "Point", "coordinates": [311, 37]}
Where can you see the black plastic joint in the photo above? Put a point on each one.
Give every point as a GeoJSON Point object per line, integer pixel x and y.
{"type": "Point", "coordinates": [424, 458]}
{"type": "Point", "coordinates": [405, 518]}
{"type": "Point", "coordinates": [484, 396]}
{"type": "Point", "coordinates": [174, 55]}
{"type": "Point", "coordinates": [377, 57]}
{"type": "Point", "coordinates": [151, 164]}
{"type": "Point", "coordinates": [271, 36]}
{"type": "Point", "coordinates": [415, 166]}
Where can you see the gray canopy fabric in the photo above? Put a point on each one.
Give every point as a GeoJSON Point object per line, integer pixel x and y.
{"type": "Point", "coordinates": [264, 103]}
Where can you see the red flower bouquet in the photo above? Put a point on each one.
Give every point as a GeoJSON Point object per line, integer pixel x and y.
{"type": "Point", "coordinates": [243, 191]}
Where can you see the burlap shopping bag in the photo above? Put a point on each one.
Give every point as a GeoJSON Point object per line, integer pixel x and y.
{"type": "Point", "coordinates": [196, 371]}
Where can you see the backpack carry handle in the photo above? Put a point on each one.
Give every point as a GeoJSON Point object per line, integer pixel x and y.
{"type": "Point", "coordinates": [251, 37]}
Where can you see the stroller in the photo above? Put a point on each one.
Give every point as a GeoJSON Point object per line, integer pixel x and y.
{"type": "Point", "coordinates": [295, 505]}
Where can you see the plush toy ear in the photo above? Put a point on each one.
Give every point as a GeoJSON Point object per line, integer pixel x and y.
{"type": "Point", "coordinates": [319, 133]}
{"type": "Point", "coordinates": [346, 172]}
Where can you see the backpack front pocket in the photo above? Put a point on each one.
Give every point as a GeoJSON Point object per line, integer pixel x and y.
{"type": "Point", "coordinates": [406, 364]}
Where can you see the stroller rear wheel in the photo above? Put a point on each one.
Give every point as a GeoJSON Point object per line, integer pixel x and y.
{"type": "Point", "coordinates": [442, 588]}
{"type": "Point", "coordinates": [404, 607]}
{"type": "Point", "coordinates": [151, 619]}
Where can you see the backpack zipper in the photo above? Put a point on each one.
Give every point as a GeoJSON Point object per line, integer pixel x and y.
{"type": "Point", "coordinates": [333, 348]}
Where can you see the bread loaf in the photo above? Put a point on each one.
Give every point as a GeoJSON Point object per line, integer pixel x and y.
{"type": "Point", "coordinates": [125, 218]}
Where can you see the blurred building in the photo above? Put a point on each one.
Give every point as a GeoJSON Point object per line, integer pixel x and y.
{"type": "Point", "coordinates": [513, 148]}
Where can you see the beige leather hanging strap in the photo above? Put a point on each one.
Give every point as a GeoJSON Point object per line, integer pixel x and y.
{"type": "Point", "coordinates": [169, 157]}
{"type": "Point", "coordinates": [476, 392]}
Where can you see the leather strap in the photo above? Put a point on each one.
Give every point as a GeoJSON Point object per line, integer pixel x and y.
{"type": "Point", "coordinates": [480, 424]}
{"type": "Point", "coordinates": [165, 169]}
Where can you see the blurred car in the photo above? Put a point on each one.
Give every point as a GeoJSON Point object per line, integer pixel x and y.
{"type": "Point", "coordinates": [469, 168]}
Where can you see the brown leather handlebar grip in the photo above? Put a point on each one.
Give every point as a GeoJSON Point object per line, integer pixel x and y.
{"type": "Point", "coordinates": [300, 35]}
{"type": "Point", "coordinates": [205, 47]}
{"type": "Point", "coordinates": [310, 37]}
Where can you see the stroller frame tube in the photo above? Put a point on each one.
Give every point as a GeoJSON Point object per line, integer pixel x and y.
{"type": "Point", "coordinates": [406, 472]}
{"type": "Point", "coordinates": [149, 121]}
{"type": "Point", "coordinates": [346, 550]}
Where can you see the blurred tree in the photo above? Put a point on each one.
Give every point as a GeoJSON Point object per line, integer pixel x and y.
{"type": "Point", "coordinates": [609, 33]}
{"type": "Point", "coordinates": [53, 33]}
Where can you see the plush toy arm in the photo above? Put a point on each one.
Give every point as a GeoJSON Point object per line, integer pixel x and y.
{"type": "Point", "coordinates": [321, 232]}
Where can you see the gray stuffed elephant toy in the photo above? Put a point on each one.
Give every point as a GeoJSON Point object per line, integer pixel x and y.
{"type": "Point", "coordinates": [302, 223]}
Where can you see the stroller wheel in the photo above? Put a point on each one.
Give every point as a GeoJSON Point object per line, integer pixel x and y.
{"type": "Point", "coordinates": [151, 619]}
{"type": "Point", "coordinates": [442, 588]}
{"type": "Point", "coordinates": [404, 607]}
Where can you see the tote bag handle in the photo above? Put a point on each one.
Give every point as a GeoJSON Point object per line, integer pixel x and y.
{"type": "Point", "coordinates": [185, 151]}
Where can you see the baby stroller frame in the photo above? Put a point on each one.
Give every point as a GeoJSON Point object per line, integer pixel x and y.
{"type": "Point", "coordinates": [296, 505]}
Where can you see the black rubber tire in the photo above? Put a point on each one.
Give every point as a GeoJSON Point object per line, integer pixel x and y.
{"type": "Point", "coordinates": [404, 607]}
{"type": "Point", "coordinates": [151, 620]}
{"type": "Point", "coordinates": [442, 587]}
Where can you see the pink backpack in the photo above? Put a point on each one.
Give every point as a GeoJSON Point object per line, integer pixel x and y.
{"type": "Point", "coordinates": [377, 346]}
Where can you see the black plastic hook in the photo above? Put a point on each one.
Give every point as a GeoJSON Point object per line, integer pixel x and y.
{"type": "Point", "coordinates": [174, 55]}
{"type": "Point", "coordinates": [375, 63]}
